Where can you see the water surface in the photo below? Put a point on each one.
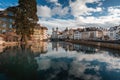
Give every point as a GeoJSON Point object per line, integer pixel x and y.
{"type": "Point", "coordinates": [58, 61]}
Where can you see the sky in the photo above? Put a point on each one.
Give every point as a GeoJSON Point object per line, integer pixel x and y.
{"type": "Point", "coordinates": [74, 13]}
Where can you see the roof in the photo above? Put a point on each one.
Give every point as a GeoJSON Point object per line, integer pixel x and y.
{"type": "Point", "coordinates": [2, 35]}
{"type": "Point", "coordinates": [38, 26]}
{"type": "Point", "coordinates": [60, 33]}
{"type": "Point", "coordinates": [114, 28]}
{"type": "Point", "coordinates": [11, 34]}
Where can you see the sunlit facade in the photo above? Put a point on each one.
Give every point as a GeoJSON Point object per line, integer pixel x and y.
{"type": "Point", "coordinates": [40, 33]}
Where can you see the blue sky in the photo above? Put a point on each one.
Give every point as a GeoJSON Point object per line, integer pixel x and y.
{"type": "Point", "coordinates": [74, 13]}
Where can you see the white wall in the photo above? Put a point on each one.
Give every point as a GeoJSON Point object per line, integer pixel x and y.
{"type": "Point", "coordinates": [77, 35]}
{"type": "Point", "coordinates": [112, 35]}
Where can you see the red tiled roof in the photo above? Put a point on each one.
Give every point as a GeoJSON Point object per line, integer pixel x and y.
{"type": "Point", "coordinates": [38, 26]}
{"type": "Point", "coordinates": [11, 34]}
{"type": "Point", "coordinates": [2, 35]}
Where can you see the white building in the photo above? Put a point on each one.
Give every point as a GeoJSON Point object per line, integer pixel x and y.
{"type": "Point", "coordinates": [114, 33]}
{"type": "Point", "coordinates": [88, 34]}
{"type": "Point", "coordinates": [77, 34]}
{"type": "Point", "coordinates": [118, 33]}
{"type": "Point", "coordinates": [92, 35]}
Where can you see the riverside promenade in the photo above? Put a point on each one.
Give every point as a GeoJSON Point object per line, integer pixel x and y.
{"type": "Point", "coordinates": [104, 44]}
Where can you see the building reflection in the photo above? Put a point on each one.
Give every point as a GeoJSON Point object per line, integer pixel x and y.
{"type": "Point", "coordinates": [39, 47]}
{"type": "Point", "coordinates": [20, 63]}
{"type": "Point", "coordinates": [55, 46]}
{"type": "Point", "coordinates": [85, 49]}
{"type": "Point", "coordinates": [73, 47]}
{"type": "Point", "coordinates": [2, 48]}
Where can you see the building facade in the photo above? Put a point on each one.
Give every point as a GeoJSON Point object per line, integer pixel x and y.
{"type": "Point", "coordinates": [114, 33]}
{"type": "Point", "coordinates": [77, 35]}
{"type": "Point", "coordinates": [40, 33]}
{"type": "Point", "coordinates": [118, 33]}
{"type": "Point", "coordinates": [2, 39]}
{"type": "Point", "coordinates": [55, 34]}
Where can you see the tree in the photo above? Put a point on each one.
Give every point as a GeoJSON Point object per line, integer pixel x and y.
{"type": "Point", "coordinates": [25, 18]}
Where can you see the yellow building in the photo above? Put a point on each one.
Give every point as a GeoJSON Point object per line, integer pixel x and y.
{"type": "Point", "coordinates": [40, 33]}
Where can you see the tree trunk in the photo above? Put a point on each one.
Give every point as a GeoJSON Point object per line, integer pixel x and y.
{"type": "Point", "coordinates": [24, 39]}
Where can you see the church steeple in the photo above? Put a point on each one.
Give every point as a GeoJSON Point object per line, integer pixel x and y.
{"type": "Point", "coordinates": [53, 29]}
{"type": "Point", "coordinates": [66, 29]}
{"type": "Point", "coordinates": [57, 29]}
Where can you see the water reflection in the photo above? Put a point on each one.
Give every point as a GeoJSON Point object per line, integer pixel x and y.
{"type": "Point", "coordinates": [59, 61]}
{"type": "Point", "coordinates": [74, 47]}
{"type": "Point", "coordinates": [55, 46]}
{"type": "Point", "coordinates": [77, 62]}
{"type": "Point", "coordinates": [39, 47]}
{"type": "Point", "coordinates": [2, 48]}
{"type": "Point", "coordinates": [17, 63]}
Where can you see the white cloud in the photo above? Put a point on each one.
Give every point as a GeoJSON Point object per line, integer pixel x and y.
{"type": "Point", "coordinates": [60, 23]}
{"type": "Point", "coordinates": [43, 64]}
{"type": "Point", "coordinates": [114, 11]}
{"type": "Point", "coordinates": [57, 9]}
{"type": "Point", "coordinates": [98, 9]}
{"type": "Point", "coordinates": [80, 64]}
{"type": "Point", "coordinates": [103, 21]}
{"type": "Point", "coordinates": [100, 4]}
{"type": "Point", "coordinates": [91, 21]}
{"type": "Point", "coordinates": [82, 22]}
{"type": "Point", "coordinates": [55, 2]}
{"type": "Point", "coordinates": [43, 11]}
{"type": "Point", "coordinates": [60, 11]}
{"type": "Point", "coordinates": [78, 69]}
{"type": "Point", "coordinates": [1, 9]}
{"type": "Point", "coordinates": [113, 17]}
{"type": "Point", "coordinates": [113, 62]}
{"type": "Point", "coordinates": [79, 7]}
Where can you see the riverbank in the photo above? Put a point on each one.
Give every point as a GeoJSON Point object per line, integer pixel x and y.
{"type": "Point", "coordinates": [94, 43]}
{"type": "Point", "coordinates": [13, 43]}
{"type": "Point", "coordinates": [18, 43]}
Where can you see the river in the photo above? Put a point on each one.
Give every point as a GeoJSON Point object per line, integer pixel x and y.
{"type": "Point", "coordinates": [58, 61]}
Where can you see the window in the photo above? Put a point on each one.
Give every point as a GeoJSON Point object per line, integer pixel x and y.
{"type": "Point", "coordinates": [111, 34]}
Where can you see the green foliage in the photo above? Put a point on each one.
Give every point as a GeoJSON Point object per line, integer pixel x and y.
{"type": "Point", "coordinates": [25, 17]}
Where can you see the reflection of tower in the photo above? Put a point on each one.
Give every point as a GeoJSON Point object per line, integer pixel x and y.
{"type": "Point", "coordinates": [55, 46]}
{"type": "Point", "coordinates": [57, 33]}
{"type": "Point", "coordinates": [57, 29]}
